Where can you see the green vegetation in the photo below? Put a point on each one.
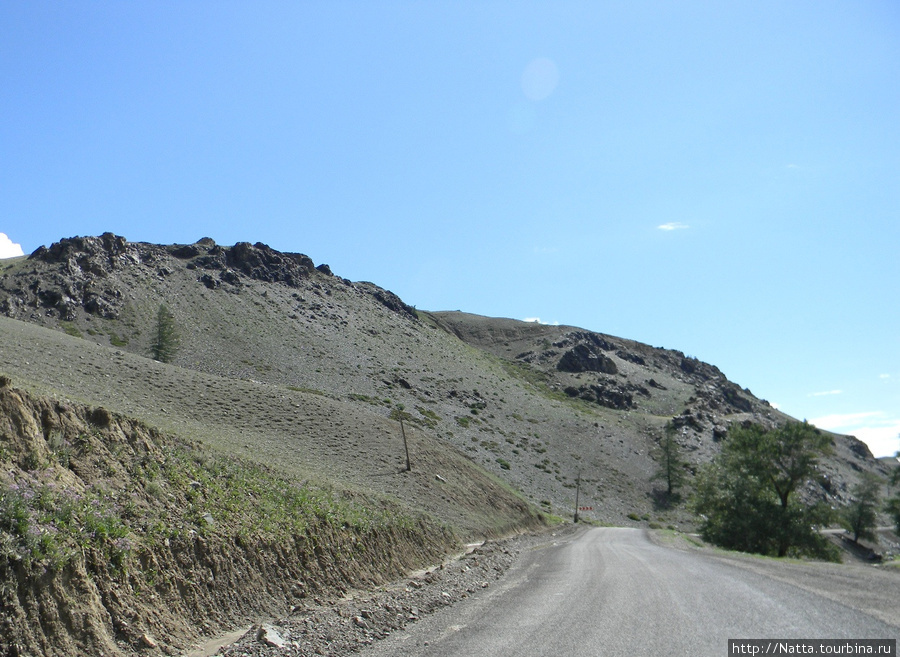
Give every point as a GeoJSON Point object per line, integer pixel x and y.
{"type": "Point", "coordinates": [670, 463]}
{"type": "Point", "coordinates": [165, 336]}
{"type": "Point", "coordinates": [70, 329]}
{"type": "Point", "coordinates": [745, 496]}
{"type": "Point", "coordinates": [190, 491]}
{"type": "Point", "coordinates": [893, 504]}
{"type": "Point", "coordinates": [861, 515]}
{"type": "Point", "coordinates": [116, 341]}
{"type": "Point", "coordinates": [51, 524]}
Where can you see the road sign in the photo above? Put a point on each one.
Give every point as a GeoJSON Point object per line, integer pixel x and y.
{"type": "Point", "coordinates": [585, 508]}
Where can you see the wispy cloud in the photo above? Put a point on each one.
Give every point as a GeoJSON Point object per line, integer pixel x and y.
{"type": "Point", "coordinates": [8, 248]}
{"type": "Point", "coordinates": [884, 376]}
{"type": "Point", "coordinates": [842, 421]}
{"type": "Point", "coordinates": [880, 431]}
{"type": "Point", "coordinates": [673, 225]}
{"type": "Point", "coordinates": [825, 393]}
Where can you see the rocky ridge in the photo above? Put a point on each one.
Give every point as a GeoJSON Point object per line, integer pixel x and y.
{"type": "Point", "coordinates": [534, 404]}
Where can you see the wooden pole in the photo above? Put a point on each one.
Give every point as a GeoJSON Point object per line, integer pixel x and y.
{"type": "Point", "coordinates": [577, 493]}
{"type": "Point", "coordinates": [405, 446]}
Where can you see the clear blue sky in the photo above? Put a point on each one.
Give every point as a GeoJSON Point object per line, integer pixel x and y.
{"type": "Point", "coordinates": [721, 178]}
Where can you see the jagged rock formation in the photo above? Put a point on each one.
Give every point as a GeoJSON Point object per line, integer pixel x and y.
{"type": "Point", "coordinates": [81, 273]}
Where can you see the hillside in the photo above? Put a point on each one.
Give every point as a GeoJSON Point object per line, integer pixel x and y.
{"type": "Point", "coordinates": [534, 404]}
{"type": "Point", "coordinates": [289, 371]}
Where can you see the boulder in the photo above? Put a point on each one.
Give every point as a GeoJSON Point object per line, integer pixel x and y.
{"type": "Point", "coordinates": [584, 358]}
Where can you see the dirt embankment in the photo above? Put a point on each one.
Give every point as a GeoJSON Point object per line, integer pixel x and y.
{"type": "Point", "coordinates": [116, 539]}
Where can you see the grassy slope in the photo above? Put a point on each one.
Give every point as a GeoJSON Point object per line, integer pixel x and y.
{"type": "Point", "coordinates": [304, 436]}
{"type": "Point", "coordinates": [457, 376]}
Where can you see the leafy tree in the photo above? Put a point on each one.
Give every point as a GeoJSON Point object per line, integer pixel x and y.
{"type": "Point", "coordinates": [670, 462]}
{"type": "Point", "coordinates": [745, 497]}
{"type": "Point", "coordinates": [893, 504]}
{"type": "Point", "coordinates": [166, 339]}
{"type": "Point", "coordinates": [861, 515]}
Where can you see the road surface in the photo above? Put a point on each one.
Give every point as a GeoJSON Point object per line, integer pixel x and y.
{"type": "Point", "coordinates": [612, 592]}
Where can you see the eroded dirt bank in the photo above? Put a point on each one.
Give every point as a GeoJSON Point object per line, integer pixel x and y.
{"type": "Point", "coordinates": [119, 540]}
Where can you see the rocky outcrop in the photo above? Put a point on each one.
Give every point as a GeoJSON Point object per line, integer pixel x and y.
{"type": "Point", "coordinates": [586, 358]}
{"type": "Point", "coordinates": [84, 274]}
{"type": "Point", "coordinates": [608, 393]}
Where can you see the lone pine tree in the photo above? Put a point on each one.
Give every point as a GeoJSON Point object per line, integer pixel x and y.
{"type": "Point", "coordinates": [166, 338]}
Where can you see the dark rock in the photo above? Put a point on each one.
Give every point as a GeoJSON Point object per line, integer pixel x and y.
{"type": "Point", "coordinates": [859, 448]}
{"type": "Point", "coordinates": [609, 395]}
{"type": "Point", "coordinates": [731, 393]}
{"type": "Point", "coordinates": [209, 281]}
{"type": "Point", "coordinates": [627, 355]}
{"type": "Point", "coordinates": [324, 269]}
{"type": "Point", "coordinates": [583, 358]}
{"type": "Point", "coordinates": [211, 261]}
{"type": "Point", "coordinates": [262, 263]}
{"type": "Point", "coordinates": [230, 276]}
{"type": "Point", "coordinates": [97, 305]}
{"type": "Point", "coordinates": [186, 252]}
{"type": "Point", "coordinates": [687, 419]}
{"type": "Point", "coordinates": [389, 300]}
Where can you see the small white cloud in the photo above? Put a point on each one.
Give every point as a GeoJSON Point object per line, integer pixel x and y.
{"type": "Point", "coordinates": [673, 225]}
{"type": "Point", "coordinates": [537, 320]}
{"type": "Point", "coordinates": [825, 393]}
{"type": "Point", "coordinates": [884, 376]}
{"type": "Point", "coordinates": [793, 166]}
{"type": "Point", "coordinates": [8, 248]}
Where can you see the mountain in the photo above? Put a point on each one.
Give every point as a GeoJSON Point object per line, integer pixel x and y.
{"type": "Point", "coordinates": [283, 365]}
{"type": "Point", "coordinates": [532, 403]}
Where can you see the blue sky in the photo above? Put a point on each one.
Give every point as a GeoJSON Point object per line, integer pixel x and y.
{"type": "Point", "coordinates": [721, 178]}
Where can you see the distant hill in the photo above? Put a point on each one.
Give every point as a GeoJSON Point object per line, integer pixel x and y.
{"type": "Point", "coordinates": [534, 404]}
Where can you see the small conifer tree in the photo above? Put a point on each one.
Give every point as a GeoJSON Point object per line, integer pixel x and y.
{"type": "Point", "coordinates": [166, 339]}
{"type": "Point", "coordinates": [670, 462]}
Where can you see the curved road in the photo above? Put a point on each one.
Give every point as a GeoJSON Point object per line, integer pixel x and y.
{"type": "Point", "coordinates": [611, 592]}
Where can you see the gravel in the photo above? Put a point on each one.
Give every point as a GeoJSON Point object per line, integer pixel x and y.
{"type": "Point", "coordinates": [349, 624]}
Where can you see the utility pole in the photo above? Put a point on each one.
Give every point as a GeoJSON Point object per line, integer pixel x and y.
{"type": "Point", "coordinates": [405, 446]}
{"type": "Point", "coordinates": [577, 492]}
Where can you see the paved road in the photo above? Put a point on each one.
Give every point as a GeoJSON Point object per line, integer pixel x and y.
{"type": "Point", "coordinates": [611, 592]}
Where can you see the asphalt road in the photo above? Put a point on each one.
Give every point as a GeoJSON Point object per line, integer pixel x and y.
{"type": "Point", "coordinates": [612, 592]}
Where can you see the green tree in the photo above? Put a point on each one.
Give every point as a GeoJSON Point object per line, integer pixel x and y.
{"type": "Point", "coordinates": [166, 338]}
{"type": "Point", "coordinates": [861, 515]}
{"type": "Point", "coordinates": [745, 497]}
{"type": "Point", "coordinates": [893, 504]}
{"type": "Point", "coordinates": [670, 462]}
